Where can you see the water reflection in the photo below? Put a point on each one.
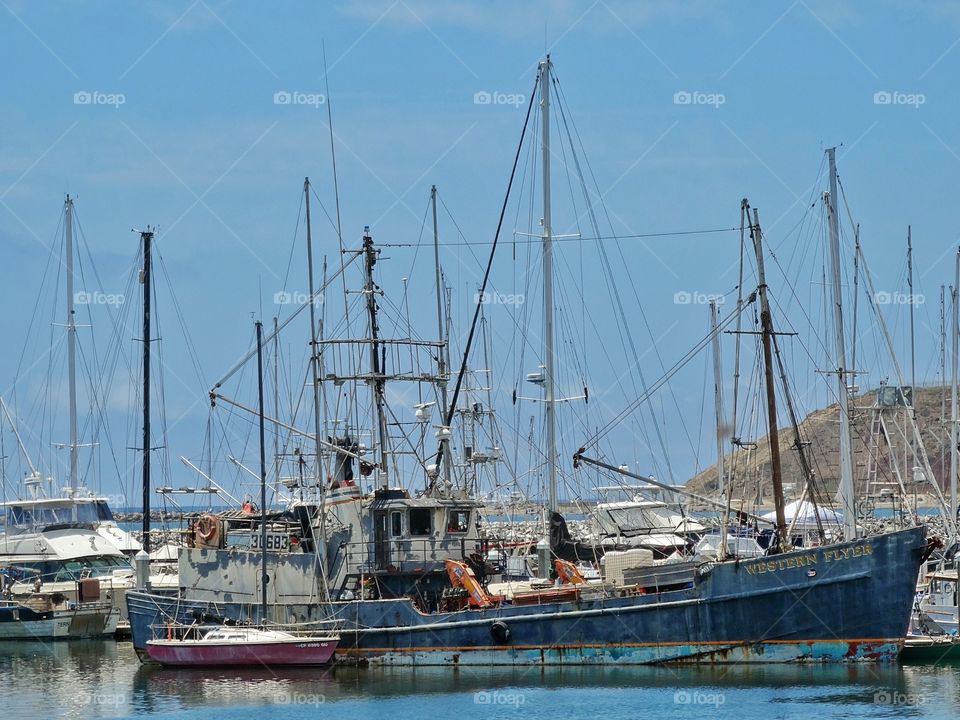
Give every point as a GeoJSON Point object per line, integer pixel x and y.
{"type": "Point", "coordinates": [105, 680]}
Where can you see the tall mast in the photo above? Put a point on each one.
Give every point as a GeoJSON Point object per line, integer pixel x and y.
{"type": "Point", "coordinates": [549, 359]}
{"type": "Point", "coordinates": [913, 359]}
{"type": "Point", "coordinates": [718, 407]}
{"type": "Point", "coordinates": [910, 458]}
{"type": "Point", "coordinates": [376, 369]}
{"type": "Point", "coordinates": [856, 294]}
{"type": "Point", "coordinates": [71, 345]}
{"type": "Point", "coordinates": [955, 355]}
{"type": "Point", "coordinates": [717, 395]}
{"type": "Point", "coordinates": [314, 346]}
{"type": "Point", "coordinates": [264, 579]}
{"type": "Point", "coordinates": [943, 373]}
{"type": "Point", "coordinates": [147, 238]}
{"type": "Point", "coordinates": [734, 439]}
{"type": "Point", "coordinates": [766, 326]}
{"type": "Point", "coordinates": [445, 458]}
{"type": "Point", "coordinates": [846, 459]}
{"type": "Point", "coordinates": [277, 462]}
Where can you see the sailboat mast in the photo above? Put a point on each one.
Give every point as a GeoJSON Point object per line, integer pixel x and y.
{"type": "Point", "coordinates": [766, 326]}
{"type": "Point", "coordinates": [718, 407]}
{"type": "Point", "coordinates": [71, 345]}
{"type": "Point", "coordinates": [913, 359]}
{"type": "Point", "coordinates": [856, 295]}
{"type": "Point", "coordinates": [445, 458]}
{"type": "Point", "coordinates": [717, 395]}
{"type": "Point", "coordinates": [264, 579]}
{"type": "Point", "coordinates": [277, 461]}
{"type": "Point", "coordinates": [147, 238]}
{"type": "Point", "coordinates": [549, 359]}
{"type": "Point", "coordinates": [954, 358]}
{"type": "Point", "coordinates": [314, 346]}
{"type": "Point", "coordinates": [846, 458]}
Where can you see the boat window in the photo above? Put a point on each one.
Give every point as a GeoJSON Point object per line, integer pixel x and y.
{"type": "Point", "coordinates": [25, 516]}
{"type": "Point", "coordinates": [103, 511]}
{"type": "Point", "coordinates": [396, 523]}
{"type": "Point", "coordinates": [75, 569]}
{"type": "Point", "coordinates": [420, 521]}
{"type": "Point", "coordinates": [458, 521]}
{"type": "Point", "coordinates": [86, 513]}
{"type": "Point", "coordinates": [640, 518]}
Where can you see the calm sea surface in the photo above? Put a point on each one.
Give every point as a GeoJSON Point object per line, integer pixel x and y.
{"type": "Point", "coordinates": [105, 680]}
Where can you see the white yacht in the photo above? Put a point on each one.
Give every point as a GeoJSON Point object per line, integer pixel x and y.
{"type": "Point", "coordinates": [644, 521]}
{"type": "Point", "coordinates": [50, 546]}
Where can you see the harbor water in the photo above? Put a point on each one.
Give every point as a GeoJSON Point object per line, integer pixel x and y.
{"type": "Point", "coordinates": [94, 679]}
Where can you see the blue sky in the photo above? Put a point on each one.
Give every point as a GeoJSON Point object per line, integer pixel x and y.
{"type": "Point", "coordinates": [165, 113]}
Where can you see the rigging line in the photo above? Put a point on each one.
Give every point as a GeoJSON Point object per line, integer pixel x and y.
{"type": "Point", "coordinates": [160, 377]}
{"type": "Point", "coordinates": [94, 422]}
{"type": "Point", "coordinates": [687, 357]}
{"type": "Point", "coordinates": [416, 252]}
{"type": "Point", "coordinates": [47, 409]}
{"type": "Point", "coordinates": [293, 242]}
{"type": "Point", "coordinates": [800, 304]}
{"type": "Point", "coordinates": [336, 196]}
{"type": "Point", "coordinates": [703, 414]}
{"type": "Point", "coordinates": [34, 316]}
{"type": "Point", "coordinates": [323, 207]}
{"type": "Point", "coordinates": [921, 448]}
{"type": "Point", "coordinates": [676, 233]}
{"type": "Point", "coordinates": [610, 282]}
{"type": "Point", "coordinates": [862, 436]}
{"type": "Point", "coordinates": [810, 481]}
{"type": "Point", "coordinates": [611, 279]}
{"type": "Point", "coordinates": [181, 321]}
{"type": "Point", "coordinates": [252, 353]}
{"type": "Point", "coordinates": [486, 274]}
{"type": "Point", "coordinates": [333, 152]}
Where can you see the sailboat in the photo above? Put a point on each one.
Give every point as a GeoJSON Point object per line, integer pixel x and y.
{"type": "Point", "coordinates": [406, 587]}
{"type": "Point", "coordinates": [228, 646]}
{"type": "Point", "coordinates": [63, 547]}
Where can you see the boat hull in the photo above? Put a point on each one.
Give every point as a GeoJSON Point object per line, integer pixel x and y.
{"type": "Point", "coordinates": [926, 649]}
{"type": "Point", "coordinates": [844, 602]}
{"type": "Point", "coordinates": [270, 654]}
{"type": "Point", "coordinates": [24, 623]}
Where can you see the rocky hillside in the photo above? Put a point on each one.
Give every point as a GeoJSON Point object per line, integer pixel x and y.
{"type": "Point", "coordinates": [819, 431]}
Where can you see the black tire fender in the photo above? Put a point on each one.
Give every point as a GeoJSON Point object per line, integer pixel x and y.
{"type": "Point", "coordinates": [501, 632]}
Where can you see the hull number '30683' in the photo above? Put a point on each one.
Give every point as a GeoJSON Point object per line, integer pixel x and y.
{"type": "Point", "coordinates": [275, 541]}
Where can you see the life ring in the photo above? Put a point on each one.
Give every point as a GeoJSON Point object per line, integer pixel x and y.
{"type": "Point", "coordinates": [208, 529]}
{"type": "Point", "coordinates": [500, 632]}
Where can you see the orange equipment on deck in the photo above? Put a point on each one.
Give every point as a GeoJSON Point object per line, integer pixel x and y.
{"type": "Point", "coordinates": [462, 576]}
{"type": "Point", "coordinates": [568, 573]}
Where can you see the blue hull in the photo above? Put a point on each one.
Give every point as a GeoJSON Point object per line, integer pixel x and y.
{"type": "Point", "coordinates": [844, 602]}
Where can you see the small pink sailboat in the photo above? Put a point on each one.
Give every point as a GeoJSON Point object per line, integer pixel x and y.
{"type": "Point", "coordinates": [226, 645]}
{"type": "Point", "coordinates": [242, 646]}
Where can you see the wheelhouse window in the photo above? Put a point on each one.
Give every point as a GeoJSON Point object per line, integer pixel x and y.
{"type": "Point", "coordinates": [420, 524]}
{"type": "Point", "coordinates": [396, 524]}
{"type": "Point", "coordinates": [458, 521]}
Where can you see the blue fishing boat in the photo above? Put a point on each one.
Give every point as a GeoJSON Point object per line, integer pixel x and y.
{"type": "Point", "coordinates": [408, 579]}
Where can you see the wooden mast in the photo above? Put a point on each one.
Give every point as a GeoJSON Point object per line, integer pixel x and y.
{"type": "Point", "coordinates": [766, 326]}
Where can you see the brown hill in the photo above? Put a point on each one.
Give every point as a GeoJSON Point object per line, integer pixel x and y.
{"type": "Point", "coordinates": [820, 433]}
